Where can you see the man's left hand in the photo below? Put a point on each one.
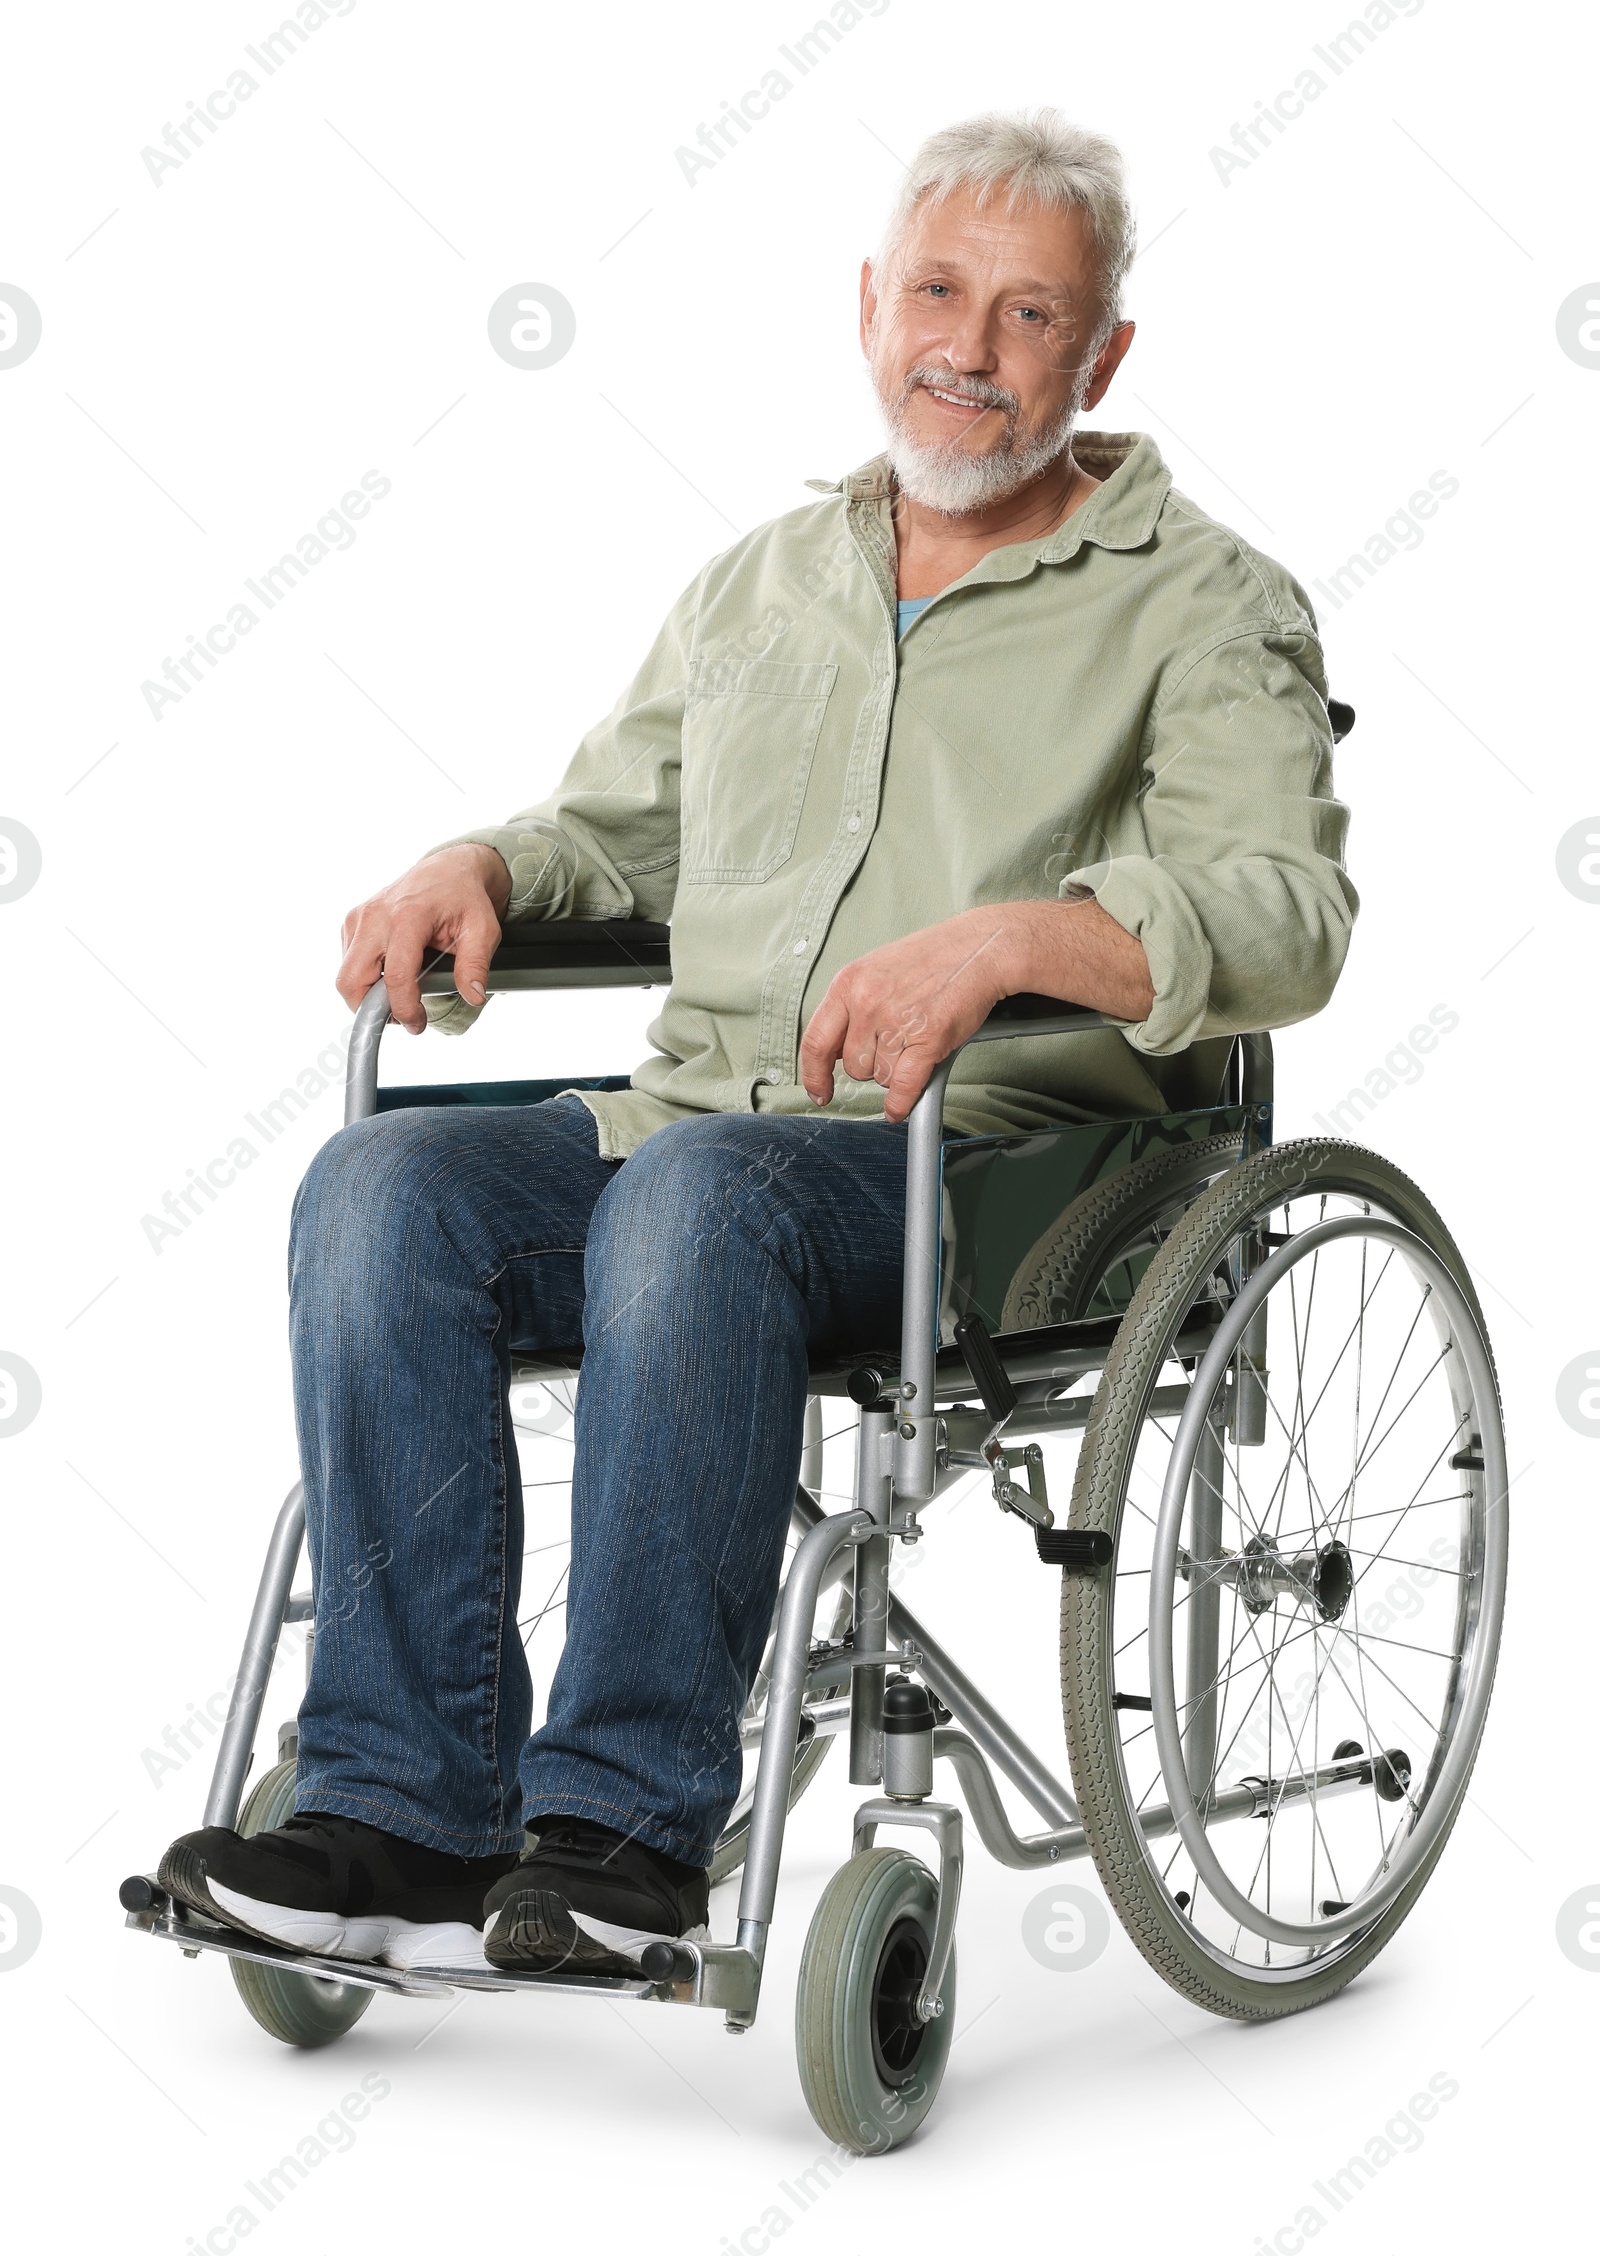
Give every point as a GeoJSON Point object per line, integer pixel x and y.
{"type": "Point", "coordinates": [891, 1016]}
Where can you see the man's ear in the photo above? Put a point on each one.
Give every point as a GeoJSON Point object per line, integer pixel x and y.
{"type": "Point", "coordinates": [869, 305]}
{"type": "Point", "coordinates": [1108, 363]}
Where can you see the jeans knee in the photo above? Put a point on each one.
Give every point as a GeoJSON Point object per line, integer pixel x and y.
{"type": "Point", "coordinates": [684, 1213]}
{"type": "Point", "coordinates": [681, 1177]}
{"type": "Point", "coordinates": [368, 1194]}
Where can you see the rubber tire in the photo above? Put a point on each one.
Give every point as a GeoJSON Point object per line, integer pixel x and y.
{"type": "Point", "coordinates": [297, 2009]}
{"type": "Point", "coordinates": [1056, 1281]}
{"type": "Point", "coordinates": [1110, 1438]}
{"type": "Point", "coordinates": [861, 1906]}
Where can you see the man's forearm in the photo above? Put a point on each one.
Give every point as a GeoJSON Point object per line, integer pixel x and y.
{"type": "Point", "coordinates": [1074, 950]}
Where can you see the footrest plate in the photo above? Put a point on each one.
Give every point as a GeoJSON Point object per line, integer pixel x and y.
{"type": "Point", "coordinates": [192, 1933]}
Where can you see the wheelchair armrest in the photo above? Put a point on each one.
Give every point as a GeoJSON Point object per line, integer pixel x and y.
{"type": "Point", "coordinates": [563, 952]}
{"type": "Point", "coordinates": [568, 952]}
{"type": "Point", "coordinates": [1018, 1015]}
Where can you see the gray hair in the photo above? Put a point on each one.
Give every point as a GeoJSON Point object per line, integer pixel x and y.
{"type": "Point", "coordinates": [1036, 157]}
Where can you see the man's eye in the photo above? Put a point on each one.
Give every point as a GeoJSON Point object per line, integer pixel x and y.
{"type": "Point", "coordinates": [938, 289]}
{"type": "Point", "coordinates": [1032, 313]}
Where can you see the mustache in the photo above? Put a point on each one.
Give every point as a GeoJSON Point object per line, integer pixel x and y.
{"type": "Point", "coordinates": [978, 389]}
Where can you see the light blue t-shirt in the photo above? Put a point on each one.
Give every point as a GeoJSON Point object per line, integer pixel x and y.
{"type": "Point", "coordinates": [908, 609]}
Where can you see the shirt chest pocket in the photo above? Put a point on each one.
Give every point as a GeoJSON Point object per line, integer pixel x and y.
{"type": "Point", "coordinates": [750, 730]}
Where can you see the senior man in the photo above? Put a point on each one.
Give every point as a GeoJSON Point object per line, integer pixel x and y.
{"type": "Point", "coordinates": [1001, 712]}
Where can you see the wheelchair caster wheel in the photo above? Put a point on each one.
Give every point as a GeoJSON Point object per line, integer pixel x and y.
{"type": "Point", "coordinates": [297, 2009]}
{"type": "Point", "coordinates": [870, 2069]}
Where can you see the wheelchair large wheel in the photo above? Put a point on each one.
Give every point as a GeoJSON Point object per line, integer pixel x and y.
{"type": "Point", "coordinates": [1275, 1691]}
{"type": "Point", "coordinates": [869, 2068]}
{"type": "Point", "coordinates": [1091, 1258]}
{"type": "Point", "coordinates": [297, 2009]}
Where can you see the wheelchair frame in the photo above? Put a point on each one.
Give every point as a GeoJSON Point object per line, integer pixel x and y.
{"type": "Point", "coordinates": [904, 1458]}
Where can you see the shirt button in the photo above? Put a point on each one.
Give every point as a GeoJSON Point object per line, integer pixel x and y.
{"type": "Point", "coordinates": [854, 823]}
{"type": "Point", "coordinates": [773, 1075]}
{"type": "Point", "coordinates": [800, 947]}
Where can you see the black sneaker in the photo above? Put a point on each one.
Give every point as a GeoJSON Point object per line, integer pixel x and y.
{"type": "Point", "coordinates": [337, 1888]}
{"type": "Point", "coordinates": [588, 1899]}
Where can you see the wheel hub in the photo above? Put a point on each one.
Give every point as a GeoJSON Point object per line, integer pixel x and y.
{"type": "Point", "coordinates": [897, 2030]}
{"type": "Point", "coordinates": [1321, 1580]}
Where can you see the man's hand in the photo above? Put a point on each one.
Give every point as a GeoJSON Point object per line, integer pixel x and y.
{"type": "Point", "coordinates": [451, 902]}
{"type": "Point", "coordinates": [892, 1015]}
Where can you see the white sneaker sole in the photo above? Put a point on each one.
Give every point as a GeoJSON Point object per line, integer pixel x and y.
{"type": "Point", "coordinates": [402, 1943]}
{"type": "Point", "coordinates": [447, 1949]}
{"type": "Point", "coordinates": [326, 1934]}
{"type": "Point", "coordinates": [633, 1942]}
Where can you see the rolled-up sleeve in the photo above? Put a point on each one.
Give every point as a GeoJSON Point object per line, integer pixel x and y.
{"type": "Point", "coordinates": [605, 843]}
{"type": "Point", "coordinates": [1239, 895]}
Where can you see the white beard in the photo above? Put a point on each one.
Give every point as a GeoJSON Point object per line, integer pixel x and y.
{"type": "Point", "coordinates": [946, 478]}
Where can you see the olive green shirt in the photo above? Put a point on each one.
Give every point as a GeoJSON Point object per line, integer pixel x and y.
{"type": "Point", "coordinates": [1133, 706]}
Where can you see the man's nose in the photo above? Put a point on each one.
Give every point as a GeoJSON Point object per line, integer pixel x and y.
{"type": "Point", "coordinates": [969, 343]}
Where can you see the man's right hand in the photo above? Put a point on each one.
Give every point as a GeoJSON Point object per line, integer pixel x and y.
{"type": "Point", "coordinates": [452, 904]}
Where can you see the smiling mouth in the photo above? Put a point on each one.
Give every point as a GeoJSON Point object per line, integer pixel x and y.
{"type": "Point", "coordinates": [962, 400]}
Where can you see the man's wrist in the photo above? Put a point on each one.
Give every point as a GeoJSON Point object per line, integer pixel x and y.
{"type": "Point", "coordinates": [1025, 948]}
{"type": "Point", "coordinates": [489, 865]}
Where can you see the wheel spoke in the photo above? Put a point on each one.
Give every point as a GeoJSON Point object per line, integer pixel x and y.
{"type": "Point", "coordinates": [1302, 1425]}
{"type": "Point", "coordinates": [1294, 1749]}
{"type": "Point", "coordinates": [1419, 1566]}
{"type": "Point", "coordinates": [1355, 1445]}
{"type": "Point", "coordinates": [1372, 1452]}
{"type": "Point", "coordinates": [1409, 1504]}
{"type": "Point", "coordinates": [1378, 1749]}
{"type": "Point", "coordinates": [1429, 1723]}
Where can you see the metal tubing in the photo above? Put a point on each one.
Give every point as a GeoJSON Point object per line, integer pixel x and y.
{"type": "Point", "coordinates": [255, 1666]}
{"type": "Point", "coordinates": [871, 1614]}
{"type": "Point", "coordinates": [1052, 1416]}
{"type": "Point", "coordinates": [774, 1774]}
{"type": "Point", "coordinates": [943, 1821]}
{"type": "Point", "coordinates": [914, 1477]}
{"type": "Point", "coordinates": [361, 1071]}
{"type": "Point", "coordinates": [987, 1725]}
{"type": "Point", "coordinates": [1252, 1797]}
{"type": "Point", "coordinates": [995, 1830]}
{"type": "Point", "coordinates": [1250, 1384]}
{"type": "Point", "coordinates": [1248, 1423]}
{"type": "Point", "coordinates": [361, 1065]}
{"type": "Point", "coordinates": [540, 979]}
{"type": "Point", "coordinates": [811, 1446]}
{"type": "Point", "coordinates": [827, 1718]}
{"type": "Point", "coordinates": [1203, 1609]}
{"type": "Point", "coordinates": [919, 1305]}
{"type": "Point", "coordinates": [1009, 1754]}
{"type": "Point", "coordinates": [1255, 1076]}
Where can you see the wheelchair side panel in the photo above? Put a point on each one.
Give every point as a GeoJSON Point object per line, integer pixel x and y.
{"type": "Point", "coordinates": [1002, 1192]}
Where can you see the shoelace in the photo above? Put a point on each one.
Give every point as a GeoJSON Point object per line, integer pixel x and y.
{"type": "Point", "coordinates": [575, 1839]}
{"type": "Point", "coordinates": [310, 1826]}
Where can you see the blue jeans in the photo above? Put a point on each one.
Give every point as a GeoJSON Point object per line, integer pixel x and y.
{"type": "Point", "coordinates": [697, 1275]}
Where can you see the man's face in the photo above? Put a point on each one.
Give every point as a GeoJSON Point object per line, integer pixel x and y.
{"type": "Point", "coordinates": [978, 338]}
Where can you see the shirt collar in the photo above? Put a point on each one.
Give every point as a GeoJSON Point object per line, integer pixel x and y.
{"type": "Point", "coordinates": [1120, 513]}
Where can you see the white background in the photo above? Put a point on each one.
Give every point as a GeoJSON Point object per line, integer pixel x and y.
{"type": "Point", "coordinates": [1373, 299]}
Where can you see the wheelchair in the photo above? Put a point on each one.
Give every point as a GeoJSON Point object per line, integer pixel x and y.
{"type": "Point", "coordinates": [1276, 1371]}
